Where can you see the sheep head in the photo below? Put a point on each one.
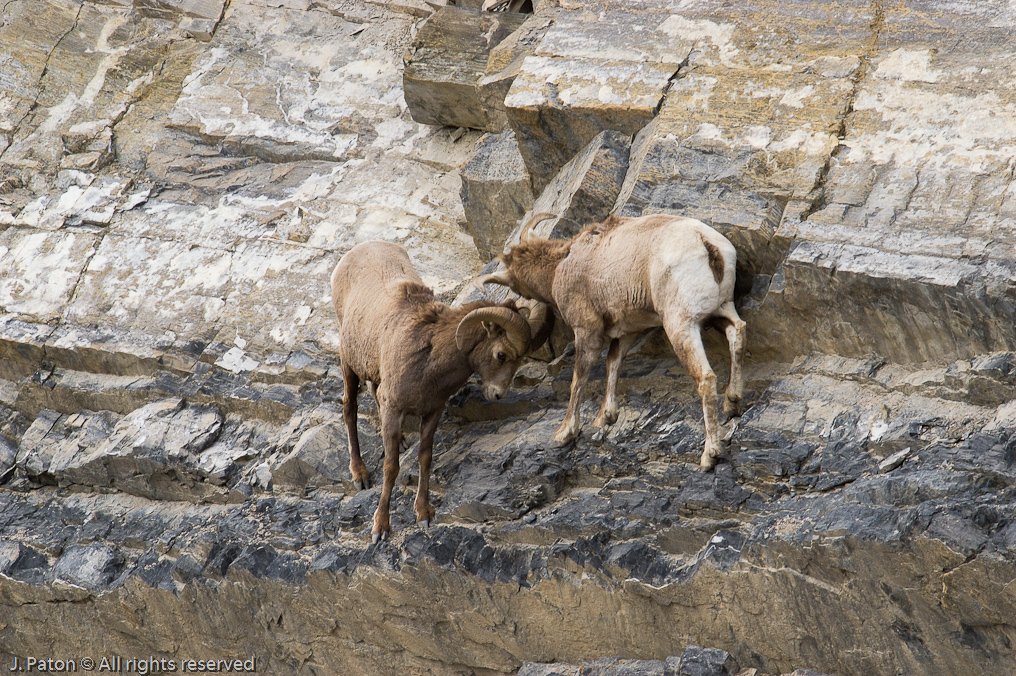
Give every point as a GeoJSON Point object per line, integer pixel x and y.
{"type": "Point", "coordinates": [530, 265]}
{"type": "Point", "coordinates": [509, 337]}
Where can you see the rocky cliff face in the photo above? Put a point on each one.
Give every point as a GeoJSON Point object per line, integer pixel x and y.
{"type": "Point", "coordinates": [178, 178]}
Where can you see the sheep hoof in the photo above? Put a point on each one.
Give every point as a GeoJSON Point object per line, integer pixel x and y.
{"type": "Point", "coordinates": [708, 463]}
{"type": "Point", "coordinates": [379, 536]}
{"type": "Point", "coordinates": [425, 523]}
{"type": "Point", "coordinates": [361, 484]}
{"type": "Point", "coordinates": [728, 416]}
{"type": "Point", "coordinates": [562, 438]}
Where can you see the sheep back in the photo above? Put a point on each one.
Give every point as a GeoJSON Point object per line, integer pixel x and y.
{"type": "Point", "coordinates": [371, 287]}
{"type": "Point", "coordinates": [629, 271]}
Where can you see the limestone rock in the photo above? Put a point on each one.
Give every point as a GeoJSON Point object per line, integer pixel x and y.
{"type": "Point", "coordinates": [572, 88]}
{"type": "Point", "coordinates": [22, 346]}
{"type": "Point", "coordinates": [202, 9]}
{"type": "Point", "coordinates": [241, 106]}
{"type": "Point", "coordinates": [739, 164]}
{"type": "Point", "coordinates": [38, 272]}
{"type": "Point", "coordinates": [155, 441]}
{"type": "Point", "coordinates": [585, 188]}
{"type": "Point", "coordinates": [450, 58]}
{"type": "Point", "coordinates": [177, 180]}
{"type": "Point", "coordinates": [320, 459]}
{"type": "Point", "coordinates": [875, 208]}
{"type": "Point", "coordinates": [495, 192]}
{"type": "Point", "coordinates": [503, 65]}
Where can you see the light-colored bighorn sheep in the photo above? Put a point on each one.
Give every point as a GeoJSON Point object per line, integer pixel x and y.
{"type": "Point", "coordinates": [615, 279]}
{"type": "Point", "coordinates": [416, 352]}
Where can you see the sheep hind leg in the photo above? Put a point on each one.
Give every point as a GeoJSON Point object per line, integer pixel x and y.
{"type": "Point", "coordinates": [391, 435]}
{"type": "Point", "coordinates": [619, 348]}
{"type": "Point", "coordinates": [351, 385]}
{"type": "Point", "coordinates": [686, 338]}
{"type": "Point", "coordinates": [587, 348]}
{"type": "Point", "coordinates": [733, 327]}
{"type": "Point", "coordinates": [424, 510]}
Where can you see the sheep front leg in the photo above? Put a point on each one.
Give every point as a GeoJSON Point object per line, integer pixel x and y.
{"type": "Point", "coordinates": [351, 386]}
{"type": "Point", "coordinates": [424, 510]}
{"type": "Point", "coordinates": [619, 348]}
{"type": "Point", "coordinates": [391, 434]}
{"type": "Point", "coordinates": [686, 338]}
{"type": "Point", "coordinates": [588, 345]}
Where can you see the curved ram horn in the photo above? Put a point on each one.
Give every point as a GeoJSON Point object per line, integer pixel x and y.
{"type": "Point", "coordinates": [541, 322]}
{"type": "Point", "coordinates": [500, 277]}
{"type": "Point", "coordinates": [527, 229]}
{"type": "Point", "coordinates": [515, 326]}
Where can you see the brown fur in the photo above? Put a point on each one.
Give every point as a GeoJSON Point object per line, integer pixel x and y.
{"type": "Point", "coordinates": [533, 265]}
{"type": "Point", "coordinates": [617, 278]}
{"type": "Point", "coordinates": [715, 260]}
{"type": "Point", "coordinates": [396, 335]}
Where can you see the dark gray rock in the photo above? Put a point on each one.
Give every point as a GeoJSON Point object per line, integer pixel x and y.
{"type": "Point", "coordinates": [23, 563]}
{"type": "Point", "coordinates": [154, 451]}
{"type": "Point", "coordinates": [93, 567]}
{"type": "Point", "coordinates": [34, 456]}
{"type": "Point", "coordinates": [315, 460]}
{"type": "Point", "coordinates": [616, 666]}
{"type": "Point", "coordinates": [549, 669]}
{"type": "Point", "coordinates": [697, 661]}
{"type": "Point", "coordinates": [505, 474]}
{"type": "Point", "coordinates": [8, 458]}
{"type": "Point", "coordinates": [237, 444]}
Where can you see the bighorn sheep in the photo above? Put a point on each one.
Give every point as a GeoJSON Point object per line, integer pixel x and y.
{"type": "Point", "coordinates": [416, 352]}
{"type": "Point", "coordinates": [617, 278]}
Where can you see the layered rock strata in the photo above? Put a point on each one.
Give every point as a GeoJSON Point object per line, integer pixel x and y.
{"type": "Point", "coordinates": [177, 180]}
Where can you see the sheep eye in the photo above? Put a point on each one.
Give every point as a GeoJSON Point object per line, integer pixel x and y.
{"type": "Point", "coordinates": [500, 357]}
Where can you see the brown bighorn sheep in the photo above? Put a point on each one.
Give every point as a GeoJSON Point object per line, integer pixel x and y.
{"type": "Point", "coordinates": [416, 352]}
{"type": "Point", "coordinates": [615, 279]}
